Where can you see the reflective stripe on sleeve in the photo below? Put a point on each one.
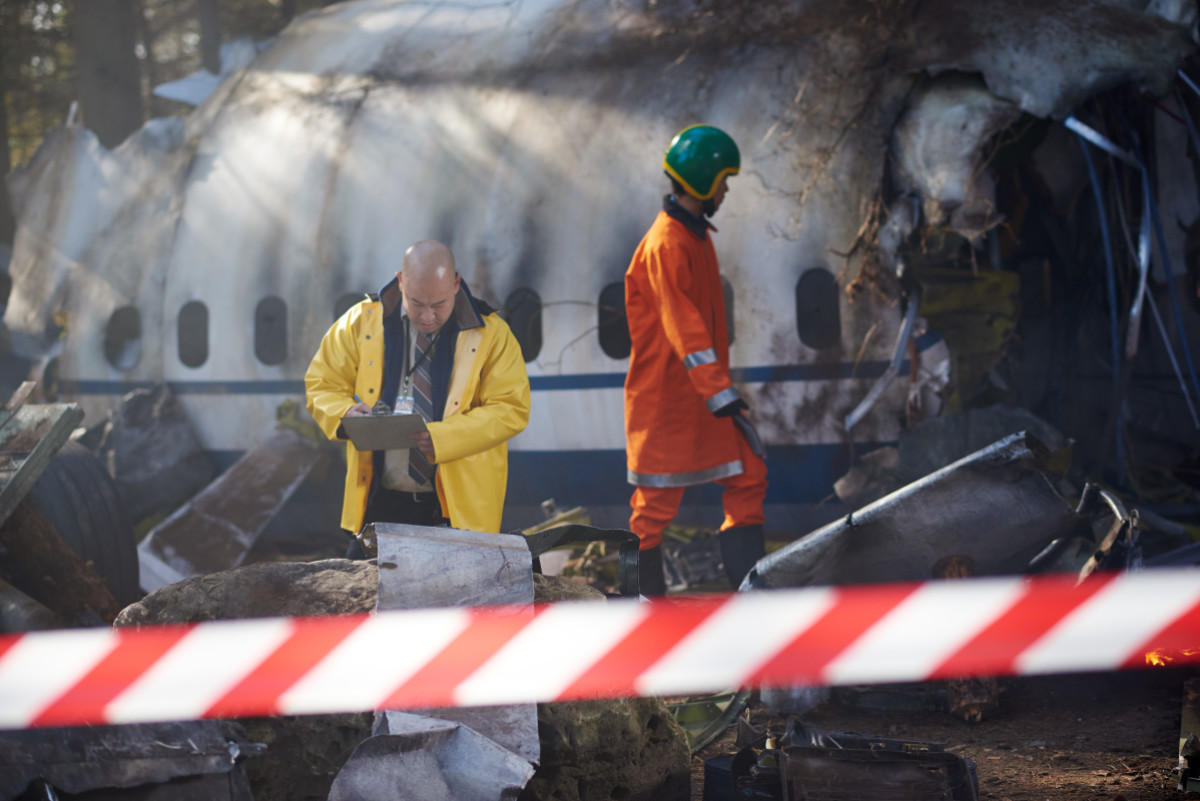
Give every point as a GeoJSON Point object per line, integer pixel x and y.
{"type": "Point", "coordinates": [722, 398]}
{"type": "Point", "coordinates": [707, 356]}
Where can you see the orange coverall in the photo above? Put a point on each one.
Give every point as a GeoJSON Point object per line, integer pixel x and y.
{"type": "Point", "coordinates": [678, 376]}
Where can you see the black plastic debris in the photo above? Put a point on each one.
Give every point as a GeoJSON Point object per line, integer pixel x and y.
{"type": "Point", "coordinates": [809, 764]}
{"type": "Point", "coordinates": [871, 771]}
{"type": "Point", "coordinates": [198, 760]}
{"type": "Point", "coordinates": [693, 562]}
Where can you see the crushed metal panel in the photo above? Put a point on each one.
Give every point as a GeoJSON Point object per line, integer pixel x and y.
{"type": "Point", "coordinates": [433, 760]}
{"type": "Point", "coordinates": [216, 529]}
{"type": "Point", "coordinates": [422, 567]}
{"type": "Point", "coordinates": [997, 506]}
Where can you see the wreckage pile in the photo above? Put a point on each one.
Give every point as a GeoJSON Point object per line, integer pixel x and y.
{"type": "Point", "coordinates": [997, 509]}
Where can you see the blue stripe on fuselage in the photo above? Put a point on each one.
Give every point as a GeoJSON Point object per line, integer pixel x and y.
{"type": "Point", "coordinates": [797, 474]}
{"type": "Point", "coordinates": [539, 383]}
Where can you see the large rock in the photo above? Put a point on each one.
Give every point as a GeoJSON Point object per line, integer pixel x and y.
{"type": "Point", "coordinates": [630, 749]}
{"type": "Point", "coordinates": [600, 750]}
{"type": "Point", "coordinates": [266, 589]}
{"type": "Point", "coordinates": [627, 748]}
{"type": "Point", "coordinates": [304, 753]}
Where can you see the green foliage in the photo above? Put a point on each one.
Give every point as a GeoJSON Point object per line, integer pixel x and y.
{"type": "Point", "coordinates": [35, 55]}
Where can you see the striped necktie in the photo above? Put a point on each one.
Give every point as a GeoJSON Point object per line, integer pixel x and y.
{"type": "Point", "coordinates": [418, 466]}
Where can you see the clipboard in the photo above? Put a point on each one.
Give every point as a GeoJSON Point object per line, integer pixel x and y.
{"type": "Point", "coordinates": [383, 432]}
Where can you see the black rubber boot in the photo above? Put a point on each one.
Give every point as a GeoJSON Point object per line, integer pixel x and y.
{"type": "Point", "coordinates": [741, 547]}
{"type": "Point", "coordinates": [650, 572]}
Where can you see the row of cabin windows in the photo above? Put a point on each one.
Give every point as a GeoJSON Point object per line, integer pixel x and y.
{"type": "Point", "coordinates": [818, 323]}
{"type": "Point", "coordinates": [123, 334]}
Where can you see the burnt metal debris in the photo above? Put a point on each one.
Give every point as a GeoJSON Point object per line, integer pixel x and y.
{"type": "Point", "coordinates": [199, 760]}
{"type": "Point", "coordinates": [431, 760]}
{"type": "Point", "coordinates": [215, 529]}
{"type": "Point", "coordinates": [997, 506]}
{"type": "Point", "coordinates": [803, 763]}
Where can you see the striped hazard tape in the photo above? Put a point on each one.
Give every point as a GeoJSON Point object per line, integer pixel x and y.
{"type": "Point", "coordinates": [573, 650]}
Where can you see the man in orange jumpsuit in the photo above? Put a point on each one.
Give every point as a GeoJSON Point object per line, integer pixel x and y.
{"type": "Point", "coordinates": [681, 408]}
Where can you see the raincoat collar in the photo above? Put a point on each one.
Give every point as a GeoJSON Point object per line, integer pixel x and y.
{"type": "Point", "coordinates": [467, 309]}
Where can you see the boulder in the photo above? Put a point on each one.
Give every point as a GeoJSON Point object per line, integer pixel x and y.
{"type": "Point", "coordinates": [304, 753]}
{"type": "Point", "coordinates": [265, 589]}
{"type": "Point", "coordinates": [628, 748]}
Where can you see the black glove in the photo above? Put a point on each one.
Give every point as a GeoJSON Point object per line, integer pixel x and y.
{"type": "Point", "coordinates": [733, 407]}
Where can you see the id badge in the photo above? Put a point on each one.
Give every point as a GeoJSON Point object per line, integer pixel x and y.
{"type": "Point", "coordinates": [404, 405]}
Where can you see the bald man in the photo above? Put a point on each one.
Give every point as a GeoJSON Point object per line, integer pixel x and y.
{"type": "Point", "coordinates": [424, 344]}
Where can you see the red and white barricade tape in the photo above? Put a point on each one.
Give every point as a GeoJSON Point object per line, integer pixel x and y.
{"type": "Point", "coordinates": [566, 651]}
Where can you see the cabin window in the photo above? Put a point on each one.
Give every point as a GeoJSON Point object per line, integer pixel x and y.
{"type": "Point", "coordinates": [343, 303]}
{"type": "Point", "coordinates": [727, 293]}
{"type": "Point", "coordinates": [123, 338]}
{"type": "Point", "coordinates": [523, 312]}
{"type": "Point", "coordinates": [818, 310]}
{"type": "Point", "coordinates": [270, 330]}
{"type": "Point", "coordinates": [613, 328]}
{"type": "Point", "coordinates": [192, 329]}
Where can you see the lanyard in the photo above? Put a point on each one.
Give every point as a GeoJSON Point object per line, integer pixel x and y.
{"type": "Point", "coordinates": [409, 344]}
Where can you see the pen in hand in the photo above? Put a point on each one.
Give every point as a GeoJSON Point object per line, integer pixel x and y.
{"type": "Point", "coordinates": [360, 409]}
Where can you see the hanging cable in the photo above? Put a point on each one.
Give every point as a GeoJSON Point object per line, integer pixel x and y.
{"type": "Point", "coordinates": [1141, 254]}
{"type": "Point", "coordinates": [1170, 281]}
{"type": "Point", "coordinates": [1110, 272]}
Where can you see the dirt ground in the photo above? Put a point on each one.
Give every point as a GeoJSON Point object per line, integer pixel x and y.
{"type": "Point", "coordinates": [1111, 736]}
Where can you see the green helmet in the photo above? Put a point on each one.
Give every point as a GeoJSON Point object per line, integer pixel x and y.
{"type": "Point", "coordinates": [699, 157]}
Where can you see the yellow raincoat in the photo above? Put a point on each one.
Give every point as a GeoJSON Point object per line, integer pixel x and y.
{"type": "Point", "coordinates": [487, 404]}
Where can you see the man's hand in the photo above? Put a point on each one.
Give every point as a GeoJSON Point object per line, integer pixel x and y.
{"type": "Point", "coordinates": [358, 410]}
{"type": "Point", "coordinates": [424, 443]}
{"type": "Point", "coordinates": [733, 407]}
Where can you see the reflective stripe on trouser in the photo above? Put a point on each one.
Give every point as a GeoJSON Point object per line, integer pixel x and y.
{"type": "Point", "coordinates": [655, 507]}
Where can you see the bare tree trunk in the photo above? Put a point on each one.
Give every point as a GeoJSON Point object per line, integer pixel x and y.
{"type": "Point", "coordinates": [208, 14]}
{"type": "Point", "coordinates": [108, 77]}
{"type": "Point", "coordinates": [8, 225]}
{"type": "Point", "coordinates": [154, 104]}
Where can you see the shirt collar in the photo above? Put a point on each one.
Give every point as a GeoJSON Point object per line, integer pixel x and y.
{"type": "Point", "coordinates": [697, 225]}
{"type": "Point", "coordinates": [466, 307]}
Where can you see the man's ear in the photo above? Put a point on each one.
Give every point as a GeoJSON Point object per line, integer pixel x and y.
{"type": "Point", "coordinates": [400, 280]}
{"type": "Point", "coordinates": [457, 282]}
